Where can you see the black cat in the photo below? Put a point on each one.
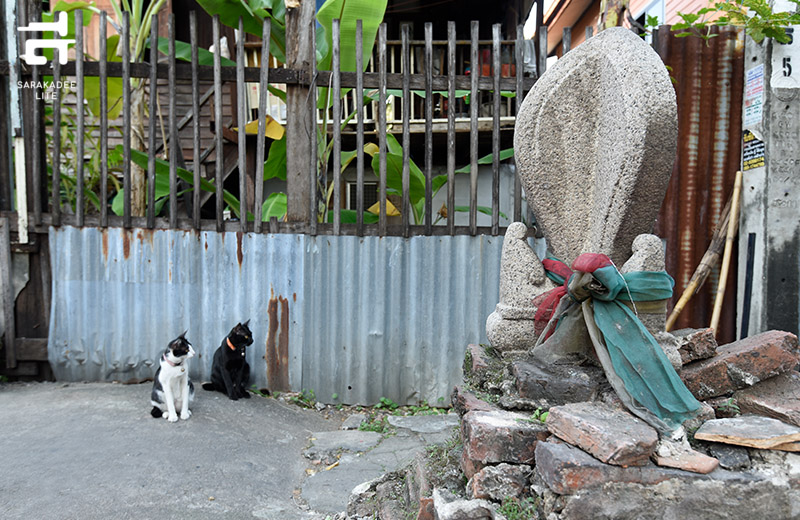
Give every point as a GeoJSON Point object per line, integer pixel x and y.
{"type": "Point", "coordinates": [230, 373]}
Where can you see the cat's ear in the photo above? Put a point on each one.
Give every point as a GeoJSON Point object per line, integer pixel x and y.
{"type": "Point", "coordinates": [246, 323]}
{"type": "Point", "coordinates": [183, 334]}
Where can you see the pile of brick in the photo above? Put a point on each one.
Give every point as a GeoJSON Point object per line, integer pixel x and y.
{"type": "Point", "coordinates": [590, 458]}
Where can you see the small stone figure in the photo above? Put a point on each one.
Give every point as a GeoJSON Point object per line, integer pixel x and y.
{"type": "Point", "coordinates": [648, 255]}
{"type": "Point", "coordinates": [522, 278]}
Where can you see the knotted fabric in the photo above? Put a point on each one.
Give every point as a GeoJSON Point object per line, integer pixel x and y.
{"type": "Point", "coordinates": [634, 363]}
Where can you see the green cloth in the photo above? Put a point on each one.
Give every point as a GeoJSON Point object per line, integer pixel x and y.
{"type": "Point", "coordinates": [637, 359]}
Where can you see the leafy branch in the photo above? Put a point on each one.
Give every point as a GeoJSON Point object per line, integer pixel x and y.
{"type": "Point", "coordinates": [755, 16]}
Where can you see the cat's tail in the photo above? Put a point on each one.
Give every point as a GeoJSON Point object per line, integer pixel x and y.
{"type": "Point", "coordinates": [156, 412]}
{"type": "Point", "coordinates": [209, 386]}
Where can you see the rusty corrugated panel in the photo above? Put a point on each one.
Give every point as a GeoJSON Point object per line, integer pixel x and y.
{"type": "Point", "coordinates": [119, 296]}
{"type": "Point", "coordinates": [352, 318]}
{"type": "Point", "coordinates": [708, 80]}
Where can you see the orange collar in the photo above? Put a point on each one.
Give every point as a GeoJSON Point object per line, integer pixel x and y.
{"type": "Point", "coordinates": [230, 345]}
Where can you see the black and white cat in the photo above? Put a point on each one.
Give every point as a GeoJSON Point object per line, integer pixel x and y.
{"type": "Point", "coordinates": [230, 373]}
{"type": "Point", "coordinates": [172, 389]}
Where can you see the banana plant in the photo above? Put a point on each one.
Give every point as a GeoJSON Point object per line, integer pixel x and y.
{"type": "Point", "coordinates": [416, 188]}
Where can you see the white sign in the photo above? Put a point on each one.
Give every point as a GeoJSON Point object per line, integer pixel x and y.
{"type": "Point", "coordinates": [785, 59]}
{"type": "Point", "coordinates": [60, 26]}
{"type": "Point", "coordinates": [754, 96]}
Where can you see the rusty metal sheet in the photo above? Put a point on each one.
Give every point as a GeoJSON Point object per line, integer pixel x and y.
{"type": "Point", "coordinates": [352, 318]}
{"type": "Point", "coordinates": [119, 296]}
{"type": "Point", "coordinates": [708, 79]}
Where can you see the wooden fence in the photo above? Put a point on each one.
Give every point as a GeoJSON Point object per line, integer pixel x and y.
{"type": "Point", "coordinates": [314, 184]}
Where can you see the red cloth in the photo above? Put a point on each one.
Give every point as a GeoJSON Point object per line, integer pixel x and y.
{"type": "Point", "coordinates": [547, 302]}
{"type": "Point", "coordinates": [590, 262]}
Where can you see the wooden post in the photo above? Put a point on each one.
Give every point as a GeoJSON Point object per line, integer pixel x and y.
{"type": "Point", "coordinates": [7, 292]}
{"type": "Point", "coordinates": [299, 124]}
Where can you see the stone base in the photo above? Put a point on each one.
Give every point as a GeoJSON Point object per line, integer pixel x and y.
{"type": "Point", "coordinates": [510, 335]}
{"type": "Point", "coordinates": [554, 385]}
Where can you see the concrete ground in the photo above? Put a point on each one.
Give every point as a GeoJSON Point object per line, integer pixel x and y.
{"type": "Point", "coordinates": [92, 451]}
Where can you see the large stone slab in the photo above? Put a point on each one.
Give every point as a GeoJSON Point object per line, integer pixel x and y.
{"type": "Point", "coordinates": [594, 142]}
{"type": "Point", "coordinates": [752, 431]}
{"type": "Point", "coordinates": [568, 470]}
{"type": "Point", "coordinates": [777, 397]}
{"type": "Point", "coordinates": [685, 499]}
{"type": "Point", "coordinates": [554, 385]}
{"type": "Point", "coordinates": [326, 446]}
{"type": "Point", "coordinates": [494, 437]}
{"type": "Point", "coordinates": [612, 435]}
{"type": "Point", "coordinates": [742, 364]}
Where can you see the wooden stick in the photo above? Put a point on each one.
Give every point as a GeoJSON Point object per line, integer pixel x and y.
{"type": "Point", "coordinates": [707, 264]}
{"type": "Point", "coordinates": [726, 257]}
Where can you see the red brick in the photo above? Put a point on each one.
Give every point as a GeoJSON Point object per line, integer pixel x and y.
{"type": "Point", "coordinates": [480, 361]}
{"type": "Point", "coordinates": [777, 397]}
{"type": "Point", "coordinates": [426, 511]}
{"type": "Point", "coordinates": [499, 482]}
{"type": "Point", "coordinates": [499, 436]}
{"type": "Point", "coordinates": [694, 344]}
{"type": "Point", "coordinates": [742, 364]}
{"type": "Point", "coordinates": [417, 482]}
{"type": "Point", "coordinates": [614, 436]}
{"type": "Point", "coordinates": [690, 460]}
{"type": "Point", "coordinates": [465, 401]}
{"type": "Point", "coordinates": [567, 470]}
{"type": "Point", "coordinates": [468, 466]}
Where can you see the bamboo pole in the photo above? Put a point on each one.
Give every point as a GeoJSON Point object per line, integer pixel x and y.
{"type": "Point", "coordinates": [726, 257]}
{"type": "Point", "coordinates": [707, 264]}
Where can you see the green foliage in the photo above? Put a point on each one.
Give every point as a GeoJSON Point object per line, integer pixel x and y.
{"type": "Point", "coordinates": [386, 404]}
{"type": "Point", "coordinates": [162, 183]}
{"type": "Point", "coordinates": [274, 206]}
{"type": "Point", "coordinates": [306, 398]}
{"type": "Point", "coordinates": [3, 379]}
{"type": "Point", "coordinates": [348, 12]}
{"type": "Point", "coordinates": [183, 51]}
{"type": "Point", "coordinates": [755, 16]}
{"type": "Point", "coordinates": [488, 159]}
{"type": "Point", "coordinates": [253, 14]}
{"type": "Point", "coordinates": [375, 423]}
{"type": "Point", "coordinates": [255, 390]}
{"type": "Point", "coordinates": [729, 407]}
{"type": "Point", "coordinates": [424, 408]}
{"type": "Point", "coordinates": [68, 161]}
{"type": "Point", "coordinates": [538, 416]}
{"type": "Point", "coordinates": [518, 509]}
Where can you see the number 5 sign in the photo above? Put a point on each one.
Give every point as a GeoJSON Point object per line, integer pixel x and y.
{"type": "Point", "coordinates": [785, 57]}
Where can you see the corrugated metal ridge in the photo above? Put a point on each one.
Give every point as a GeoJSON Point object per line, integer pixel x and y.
{"type": "Point", "coordinates": [358, 318]}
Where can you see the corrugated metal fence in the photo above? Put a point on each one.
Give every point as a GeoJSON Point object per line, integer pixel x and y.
{"type": "Point", "coordinates": [353, 318]}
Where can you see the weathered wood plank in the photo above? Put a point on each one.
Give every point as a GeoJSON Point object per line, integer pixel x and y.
{"type": "Point", "coordinates": [7, 294]}
{"type": "Point", "coordinates": [300, 127]}
{"type": "Point", "coordinates": [293, 76]}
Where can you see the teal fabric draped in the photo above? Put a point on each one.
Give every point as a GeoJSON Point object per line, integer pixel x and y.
{"type": "Point", "coordinates": [637, 359]}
